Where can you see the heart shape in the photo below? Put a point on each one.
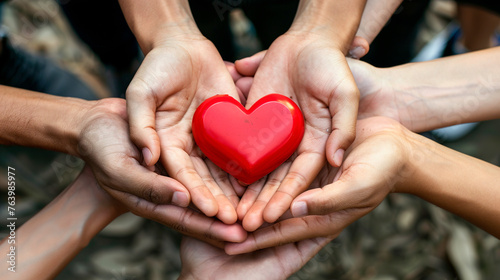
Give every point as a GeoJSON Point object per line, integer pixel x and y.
{"type": "Point", "coordinates": [248, 144]}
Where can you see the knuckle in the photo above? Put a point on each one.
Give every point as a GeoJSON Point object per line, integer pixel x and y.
{"type": "Point", "coordinates": [207, 234]}
{"type": "Point", "coordinates": [151, 194]}
{"type": "Point", "coordinates": [221, 177]}
{"type": "Point", "coordinates": [186, 172]}
{"type": "Point", "coordinates": [179, 227]}
{"type": "Point", "coordinates": [350, 135]}
{"type": "Point", "coordinates": [273, 183]}
{"type": "Point", "coordinates": [323, 204]}
{"type": "Point", "coordinates": [138, 90]}
{"type": "Point", "coordinates": [180, 224]}
{"type": "Point", "coordinates": [209, 180]}
{"type": "Point", "coordinates": [299, 181]}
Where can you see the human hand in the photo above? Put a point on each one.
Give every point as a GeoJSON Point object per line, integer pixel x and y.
{"type": "Point", "coordinates": [203, 261]}
{"type": "Point", "coordinates": [374, 164]}
{"type": "Point", "coordinates": [313, 72]}
{"type": "Point", "coordinates": [176, 76]}
{"type": "Point", "coordinates": [378, 97]}
{"type": "Point", "coordinates": [105, 144]}
{"type": "Point", "coordinates": [78, 213]}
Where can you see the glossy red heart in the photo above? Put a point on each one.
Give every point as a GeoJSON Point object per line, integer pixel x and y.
{"type": "Point", "coordinates": [248, 144]}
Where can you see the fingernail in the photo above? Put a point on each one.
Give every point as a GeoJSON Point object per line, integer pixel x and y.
{"type": "Point", "coordinates": [299, 209]}
{"type": "Point", "coordinates": [180, 199]}
{"type": "Point", "coordinates": [338, 157]}
{"type": "Point", "coordinates": [242, 184]}
{"type": "Point", "coordinates": [357, 52]}
{"type": "Point", "coordinates": [147, 155]}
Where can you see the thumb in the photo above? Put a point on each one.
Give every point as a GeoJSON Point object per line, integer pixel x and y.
{"type": "Point", "coordinates": [334, 197]}
{"type": "Point", "coordinates": [344, 112]}
{"type": "Point", "coordinates": [150, 186]}
{"type": "Point", "coordinates": [141, 109]}
{"type": "Point", "coordinates": [359, 48]}
{"type": "Point", "coordinates": [248, 66]}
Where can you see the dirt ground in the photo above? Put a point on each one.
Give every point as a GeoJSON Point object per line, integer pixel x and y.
{"type": "Point", "coordinates": [403, 238]}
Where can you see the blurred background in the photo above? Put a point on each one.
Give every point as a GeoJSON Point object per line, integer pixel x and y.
{"type": "Point", "coordinates": [404, 238]}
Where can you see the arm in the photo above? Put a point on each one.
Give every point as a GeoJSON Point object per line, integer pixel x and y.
{"type": "Point", "coordinates": [181, 69]}
{"type": "Point", "coordinates": [375, 16]}
{"type": "Point", "coordinates": [385, 158]}
{"type": "Point", "coordinates": [450, 90]}
{"type": "Point", "coordinates": [84, 129]}
{"type": "Point", "coordinates": [463, 185]}
{"type": "Point", "coordinates": [40, 120]}
{"type": "Point", "coordinates": [433, 94]}
{"type": "Point", "coordinates": [97, 131]}
{"type": "Point", "coordinates": [308, 64]}
{"type": "Point", "coordinates": [335, 20]}
{"type": "Point", "coordinates": [151, 21]}
{"type": "Point", "coordinates": [47, 242]}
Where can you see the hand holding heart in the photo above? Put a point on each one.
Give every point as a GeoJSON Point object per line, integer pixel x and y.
{"type": "Point", "coordinates": [338, 196]}
{"type": "Point", "coordinates": [161, 101]}
{"type": "Point", "coordinates": [318, 79]}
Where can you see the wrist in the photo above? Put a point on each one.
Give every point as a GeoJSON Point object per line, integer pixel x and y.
{"type": "Point", "coordinates": [96, 207]}
{"type": "Point", "coordinates": [152, 21]}
{"type": "Point", "coordinates": [336, 21]}
{"type": "Point", "coordinates": [417, 148]}
{"type": "Point", "coordinates": [73, 125]}
{"type": "Point", "coordinates": [86, 122]}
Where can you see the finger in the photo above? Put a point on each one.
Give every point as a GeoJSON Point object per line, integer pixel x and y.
{"type": "Point", "coordinates": [294, 230]}
{"type": "Point", "coordinates": [238, 188]}
{"type": "Point", "coordinates": [248, 66]}
{"type": "Point", "coordinates": [296, 255]}
{"type": "Point", "coordinates": [344, 114]}
{"type": "Point", "coordinates": [226, 211]}
{"type": "Point", "coordinates": [243, 98]}
{"type": "Point", "coordinates": [184, 220]}
{"type": "Point", "coordinates": [218, 183]}
{"type": "Point", "coordinates": [308, 249]}
{"type": "Point", "coordinates": [249, 197]}
{"type": "Point", "coordinates": [232, 70]}
{"type": "Point", "coordinates": [180, 166]}
{"type": "Point", "coordinates": [141, 182]}
{"type": "Point", "coordinates": [244, 84]}
{"type": "Point", "coordinates": [301, 174]}
{"type": "Point", "coordinates": [375, 16]}
{"type": "Point", "coordinates": [222, 179]}
{"type": "Point", "coordinates": [350, 191]}
{"type": "Point", "coordinates": [254, 218]}
{"type": "Point", "coordinates": [359, 48]}
{"type": "Point", "coordinates": [141, 109]}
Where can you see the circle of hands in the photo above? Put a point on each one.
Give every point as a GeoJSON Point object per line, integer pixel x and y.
{"type": "Point", "coordinates": [342, 169]}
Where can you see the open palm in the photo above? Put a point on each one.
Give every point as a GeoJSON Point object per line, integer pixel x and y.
{"type": "Point", "coordinates": [174, 79]}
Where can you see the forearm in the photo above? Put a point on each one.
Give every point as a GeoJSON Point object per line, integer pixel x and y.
{"type": "Point", "coordinates": [455, 182]}
{"type": "Point", "coordinates": [49, 240]}
{"type": "Point", "coordinates": [40, 120]}
{"type": "Point", "coordinates": [337, 20]}
{"type": "Point", "coordinates": [375, 16]}
{"type": "Point", "coordinates": [152, 20]}
{"type": "Point", "coordinates": [447, 91]}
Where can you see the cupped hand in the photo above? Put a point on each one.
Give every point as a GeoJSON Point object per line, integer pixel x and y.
{"type": "Point", "coordinates": [374, 164]}
{"type": "Point", "coordinates": [176, 76]}
{"type": "Point", "coordinates": [104, 143]}
{"type": "Point", "coordinates": [203, 261]}
{"type": "Point", "coordinates": [314, 73]}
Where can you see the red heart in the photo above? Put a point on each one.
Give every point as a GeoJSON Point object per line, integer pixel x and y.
{"type": "Point", "coordinates": [248, 144]}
